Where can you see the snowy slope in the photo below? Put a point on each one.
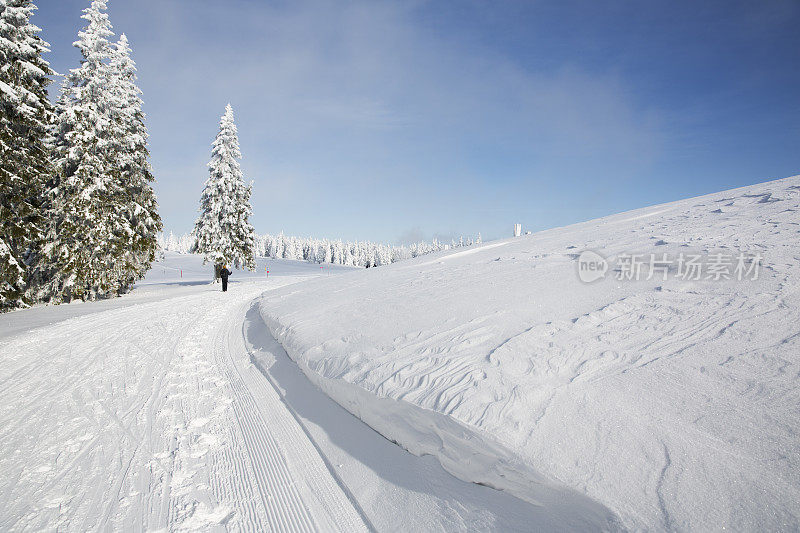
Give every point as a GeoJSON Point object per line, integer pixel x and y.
{"type": "Point", "coordinates": [672, 403]}
{"type": "Point", "coordinates": [172, 408]}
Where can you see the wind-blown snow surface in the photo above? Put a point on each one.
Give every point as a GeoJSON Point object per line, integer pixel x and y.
{"type": "Point", "coordinates": [172, 408]}
{"type": "Point", "coordinates": [672, 403]}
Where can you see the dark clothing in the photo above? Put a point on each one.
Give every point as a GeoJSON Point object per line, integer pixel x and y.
{"type": "Point", "coordinates": [224, 273]}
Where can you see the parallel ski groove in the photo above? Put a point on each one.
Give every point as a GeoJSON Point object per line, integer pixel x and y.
{"type": "Point", "coordinates": [158, 422]}
{"type": "Point", "coordinates": [264, 453]}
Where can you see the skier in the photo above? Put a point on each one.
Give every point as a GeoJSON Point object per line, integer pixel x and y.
{"type": "Point", "coordinates": [224, 273]}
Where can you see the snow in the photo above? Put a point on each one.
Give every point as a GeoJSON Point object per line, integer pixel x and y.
{"type": "Point", "coordinates": [663, 403]}
{"type": "Point", "coordinates": [103, 213]}
{"type": "Point", "coordinates": [360, 253]}
{"type": "Point", "coordinates": [650, 404]}
{"type": "Point", "coordinates": [8, 91]}
{"type": "Point", "coordinates": [172, 408]}
{"type": "Point", "coordinates": [174, 275]}
{"type": "Point", "coordinates": [142, 417]}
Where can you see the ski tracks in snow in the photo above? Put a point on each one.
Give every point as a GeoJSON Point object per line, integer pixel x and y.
{"type": "Point", "coordinates": [290, 475]}
{"type": "Point", "coordinates": [151, 416]}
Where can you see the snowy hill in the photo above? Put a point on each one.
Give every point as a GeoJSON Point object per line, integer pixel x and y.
{"type": "Point", "coordinates": [173, 409]}
{"type": "Point", "coordinates": [665, 392]}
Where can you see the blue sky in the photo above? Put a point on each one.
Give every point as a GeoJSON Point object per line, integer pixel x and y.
{"type": "Point", "coordinates": [394, 121]}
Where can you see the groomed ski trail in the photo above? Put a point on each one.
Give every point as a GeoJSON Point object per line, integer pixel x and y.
{"type": "Point", "coordinates": [151, 416]}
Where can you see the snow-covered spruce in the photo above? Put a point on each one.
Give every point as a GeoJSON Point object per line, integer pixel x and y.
{"type": "Point", "coordinates": [83, 214]}
{"type": "Point", "coordinates": [102, 209]}
{"type": "Point", "coordinates": [224, 234]}
{"type": "Point", "coordinates": [130, 156]}
{"type": "Point", "coordinates": [25, 116]}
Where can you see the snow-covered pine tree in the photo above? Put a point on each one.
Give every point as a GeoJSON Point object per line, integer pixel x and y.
{"type": "Point", "coordinates": [223, 233]}
{"type": "Point", "coordinates": [309, 251]}
{"type": "Point", "coordinates": [25, 118]}
{"type": "Point", "coordinates": [88, 225]}
{"type": "Point", "coordinates": [291, 249]}
{"type": "Point", "coordinates": [349, 258]}
{"type": "Point", "coordinates": [283, 243]}
{"type": "Point", "coordinates": [130, 156]}
{"type": "Point", "coordinates": [273, 248]}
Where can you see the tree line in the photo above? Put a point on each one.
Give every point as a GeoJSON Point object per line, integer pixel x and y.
{"type": "Point", "coordinates": [335, 251]}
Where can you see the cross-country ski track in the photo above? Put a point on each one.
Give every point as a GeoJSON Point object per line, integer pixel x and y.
{"type": "Point", "coordinates": [181, 412]}
{"type": "Point", "coordinates": [154, 419]}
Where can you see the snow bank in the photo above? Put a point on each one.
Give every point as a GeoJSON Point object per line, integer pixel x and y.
{"type": "Point", "coordinates": [670, 401]}
{"type": "Point", "coordinates": [468, 454]}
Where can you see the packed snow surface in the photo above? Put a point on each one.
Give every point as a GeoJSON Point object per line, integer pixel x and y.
{"type": "Point", "coordinates": [663, 402]}
{"type": "Point", "coordinates": [148, 414]}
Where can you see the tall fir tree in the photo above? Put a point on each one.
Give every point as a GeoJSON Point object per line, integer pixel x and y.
{"type": "Point", "coordinates": [89, 234]}
{"type": "Point", "coordinates": [224, 235]}
{"type": "Point", "coordinates": [25, 119]}
{"type": "Point", "coordinates": [130, 156]}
